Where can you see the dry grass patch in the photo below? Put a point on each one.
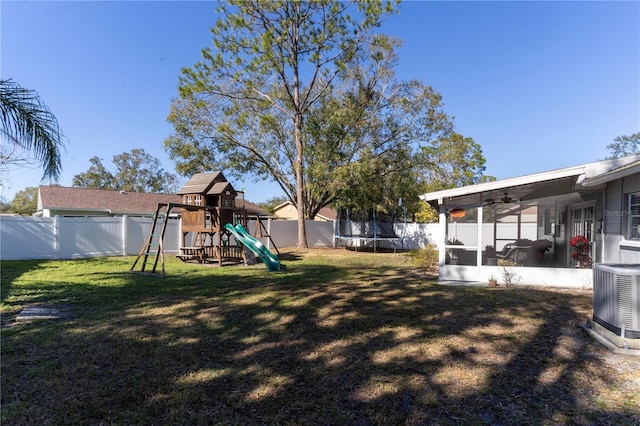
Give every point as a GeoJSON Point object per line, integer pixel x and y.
{"type": "Point", "coordinates": [337, 338]}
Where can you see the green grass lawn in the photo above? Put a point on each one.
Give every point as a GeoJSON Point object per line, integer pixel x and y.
{"type": "Point", "coordinates": [338, 338]}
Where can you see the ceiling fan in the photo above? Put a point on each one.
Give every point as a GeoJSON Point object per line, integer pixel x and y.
{"type": "Point", "coordinates": [506, 199]}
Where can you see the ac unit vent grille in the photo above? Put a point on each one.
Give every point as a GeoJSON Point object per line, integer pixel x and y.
{"type": "Point", "coordinates": [625, 301]}
{"type": "Point", "coordinates": [616, 297]}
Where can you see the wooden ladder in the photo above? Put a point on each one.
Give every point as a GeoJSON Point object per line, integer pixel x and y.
{"type": "Point", "coordinates": [151, 252]}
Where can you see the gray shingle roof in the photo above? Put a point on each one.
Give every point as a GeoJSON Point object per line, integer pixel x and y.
{"type": "Point", "coordinates": [117, 202]}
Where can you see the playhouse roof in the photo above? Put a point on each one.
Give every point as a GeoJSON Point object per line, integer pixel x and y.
{"type": "Point", "coordinates": [201, 183]}
{"type": "Point", "coordinates": [220, 188]}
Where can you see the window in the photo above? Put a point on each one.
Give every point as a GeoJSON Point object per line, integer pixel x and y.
{"type": "Point", "coordinates": [549, 221]}
{"type": "Point", "coordinates": [633, 214]}
{"type": "Point", "coordinates": [188, 199]}
{"type": "Point", "coordinates": [198, 200]}
{"type": "Point", "coordinates": [583, 222]}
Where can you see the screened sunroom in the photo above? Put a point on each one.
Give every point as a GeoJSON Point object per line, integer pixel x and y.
{"type": "Point", "coordinates": [547, 228]}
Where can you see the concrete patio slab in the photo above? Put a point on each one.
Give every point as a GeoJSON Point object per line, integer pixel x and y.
{"type": "Point", "coordinates": [38, 313]}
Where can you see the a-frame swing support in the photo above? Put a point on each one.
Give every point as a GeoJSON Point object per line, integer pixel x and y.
{"type": "Point", "coordinates": [258, 233]}
{"type": "Point", "coordinates": [152, 251]}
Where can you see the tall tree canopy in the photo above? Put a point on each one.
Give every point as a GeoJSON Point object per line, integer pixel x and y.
{"type": "Point", "coordinates": [136, 171]}
{"type": "Point", "coordinates": [625, 145]}
{"type": "Point", "coordinates": [25, 202]}
{"type": "Point", "coordinates": [364, 137]}
{"type": "Point", "coordinates": [29, 130]}
{"type": "Point", "coordinates": [247, 101]}
{"type": "Point", "coordinates": [453, 160]}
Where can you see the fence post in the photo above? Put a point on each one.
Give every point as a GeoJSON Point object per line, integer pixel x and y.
{"type": "Point", "coordinates": [123, 235]}
{"type": "Point", "coordinates": [56, 237]}
{"type": "Point", "coordinates": [269, 233]}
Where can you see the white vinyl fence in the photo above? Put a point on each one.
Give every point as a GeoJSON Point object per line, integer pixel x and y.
{"type": "Point", "coordinates": [83, 237]}
{"type": "Point", "coordinates": [78, 237]}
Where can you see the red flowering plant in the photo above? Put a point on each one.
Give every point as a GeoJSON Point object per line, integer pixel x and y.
{"type": "Point", "coordinates": [581, 245]}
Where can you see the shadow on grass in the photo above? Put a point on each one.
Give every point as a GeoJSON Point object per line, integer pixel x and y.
{"type": "Point", "coordinates": [360, 343]}
{"type": "Point", "coordinates": [289, 256]}
{"type": "Point", "coordinates": [11, 270]}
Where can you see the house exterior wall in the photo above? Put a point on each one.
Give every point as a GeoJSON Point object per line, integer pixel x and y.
{"type": "Point", "coordinates": [546, 277]}
{"type": "Point", "coordinates": [288, 212]}
{"type": "Point", "coordinates": [612, 222]}
{"type": "Point", "coordinates": [617, 248]}
{"type": "Point", "coordinates": [90, 213]}
{"type": "Point", "coordinates": [74, 213]}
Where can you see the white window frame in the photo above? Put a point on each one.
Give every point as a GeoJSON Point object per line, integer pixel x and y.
{"type": "Point", "coordinates": [632, 213]}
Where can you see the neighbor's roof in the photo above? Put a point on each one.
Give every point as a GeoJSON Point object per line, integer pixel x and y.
{"type": "Point", "coordinates": [328, 213]}
{"type": "Point", "coordinates": [114, 202]}
{"type": "Point", "coordinates": [584, 173]}
{"type": "Point", "coordinates": [200, 183]}
{"type": "Point", "coordinates": [253, 209]}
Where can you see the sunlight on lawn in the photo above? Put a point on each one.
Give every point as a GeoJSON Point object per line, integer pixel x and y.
{"type": "Point", "coordinates": [339, 338]}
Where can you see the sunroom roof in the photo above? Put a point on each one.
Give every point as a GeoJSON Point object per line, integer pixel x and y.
{"type": "Point", "coordinates": [549, 183]}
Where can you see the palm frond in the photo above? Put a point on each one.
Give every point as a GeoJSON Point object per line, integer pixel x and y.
{"type": "Point", "coordinates": [27, 122]}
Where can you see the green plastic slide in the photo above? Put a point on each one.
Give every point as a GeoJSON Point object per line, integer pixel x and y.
{"type": "Point", "coordinates": [270, 260]}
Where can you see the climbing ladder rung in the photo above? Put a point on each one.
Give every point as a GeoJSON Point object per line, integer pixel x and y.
{"type": "Point", "coordinates": [153, 246]}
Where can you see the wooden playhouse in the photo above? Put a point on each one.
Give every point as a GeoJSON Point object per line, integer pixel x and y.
{"type": "Point", "coordinates": [209, 202]}
{"type": "Point", "coordinates": [210, 212]}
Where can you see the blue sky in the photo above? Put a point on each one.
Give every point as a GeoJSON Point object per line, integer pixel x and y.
{"type": "Point", "coordinates": [539, 85]}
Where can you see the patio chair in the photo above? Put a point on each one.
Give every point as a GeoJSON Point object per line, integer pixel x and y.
{"type": "Point", "coordinates": [513, 255]}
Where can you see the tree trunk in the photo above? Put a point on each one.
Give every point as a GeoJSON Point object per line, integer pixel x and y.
{"type": "Point", "coordinates": [302, 231]}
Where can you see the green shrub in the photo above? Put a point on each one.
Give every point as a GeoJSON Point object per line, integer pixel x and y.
{"type": "Point", "coordinates": [424, 258]}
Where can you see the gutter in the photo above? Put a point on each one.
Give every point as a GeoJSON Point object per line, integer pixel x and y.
{"type": "Point", "coordinates": [619, 173]}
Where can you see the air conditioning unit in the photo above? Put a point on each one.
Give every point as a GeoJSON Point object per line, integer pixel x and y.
{"type": "Point", "coordinates": [616, 298]}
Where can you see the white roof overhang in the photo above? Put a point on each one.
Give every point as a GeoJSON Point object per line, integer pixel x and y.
{"type": "Point", "coordinates": [539, 185]}
{"type": "Point", "coordinates": [622, 172]}
{"type": "Point", "coordinates": [520, 188]}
